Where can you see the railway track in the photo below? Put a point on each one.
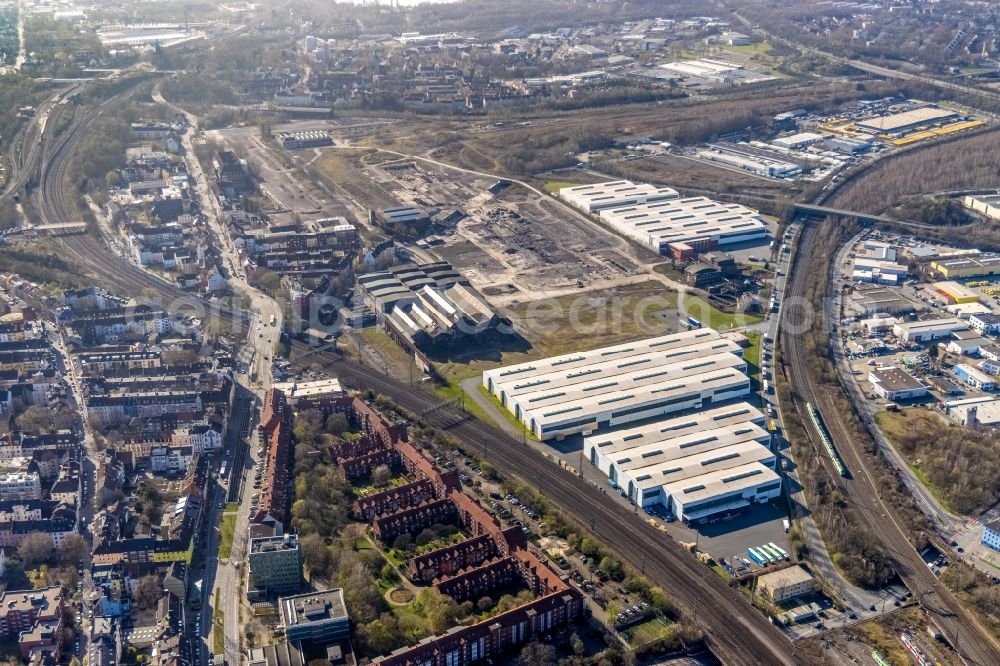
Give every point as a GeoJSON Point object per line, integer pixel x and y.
{"type": "Point", "coordinates": [735, 631]}
{"type": "Point", "coordinates": [32, 142]}
{"type": "Point", "coordinates": [970, 640]}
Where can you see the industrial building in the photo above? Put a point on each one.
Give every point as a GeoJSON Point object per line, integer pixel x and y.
{"type": "Point", "coordinates": [797, 141]}
{"type": "Point", "coordinates": [713, 71]}
{"type": "Point", "coordinates": [981, 411]}
{"type": "Point", "coordinates": [783, 585]}
{"type": "Point", "coordinates": [870, 301]}
{"type": "Point", "coordinates": [580, 392]}
{"type": "Point", "coordinates": [872, 269]}
{"type": "Point", "coordinates": [752, 162]}
{"type": "Point", "coordinates": [308, 139]}
{"type": "Point", "coordinates": [895, 384]}
{"type": "Point", "coordinates": [975, 377]}
{"type": "Point", "coordinates": [927, 330]}
{"type": "Point", "coordinates": [698, 466]}
{"type": "Point", "coordinates": [955, 292]}
{"type": "Point", "coordinates": [899, 123]}
{"type": "Point", "coordinates": [683, 227]}
{"type": "Point", "coordinates": [425, 305]}
{"type": "Point", "coordinates": [614, 194]}
{"type": "Point", "coordinates": [401, 218]}
{"type": "Point", "coordinates": [971, 265]}
{"type": "Point", "coordinates": [848, 145]}
{"type": "Point", "coordinates": [987, 204]}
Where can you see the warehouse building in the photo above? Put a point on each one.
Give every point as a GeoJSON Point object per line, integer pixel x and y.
{"type": "Point", "coordinates": [987, 204]}
{"type": "Point", "coordinates": [895, 384]}
{"type": "Point", "coordinates": [308, 139]}
{"type": "Point", "coordinates": [683, 227]}
{"type": "Point", "coordinates": [614, 194]}
{"type": "Point", "coordinates": [797, 141]}
{"type": "Point", "coordinates": [900, 123]}
{"type": "Point", "coordinates": [955, 292]}
{"type": "Point", "coordinates": [970, 412]}
{"type": "Point", "coordinates": [425, 305]}
{"type": "Point", "coordinates": [928, 329]}
{"type": "Point", "coordinates": [848, 145]}
{"type": "Point", "coordinates": [405, 218]}
{"type": "Point", "coordinates": [581, 392]}
{"type": "Point", "coordinates": [883, 271]}
{"type": "Point", "coordinates": [972, 265]}
{"type": "Point", "coordinates": [698, 466]}
{"type": "Point", "coordinates": [752, 162]}
{"type": "Point", "coordinates": [780, 586]}
{"type": "Point", "coordinates": [879, 300]}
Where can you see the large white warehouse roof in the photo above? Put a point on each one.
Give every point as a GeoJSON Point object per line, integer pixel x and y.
{"type": "Point", "coordinates": [697, 465]}
{"type": "Point", "coordinates": [578, 392]}
{"type": "Point", "coordinates": [613, 194]}
{"type": "Point", "coordinates": [696, 221]}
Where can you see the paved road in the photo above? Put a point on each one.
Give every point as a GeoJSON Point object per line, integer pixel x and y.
{"type": "Point", "coordinates": [932, 508]}
{"type": "Point", "coordinates": [266, 321]}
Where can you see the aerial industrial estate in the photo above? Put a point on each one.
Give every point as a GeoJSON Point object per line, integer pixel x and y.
{"type": "Point", "coordinates": [441, 334]}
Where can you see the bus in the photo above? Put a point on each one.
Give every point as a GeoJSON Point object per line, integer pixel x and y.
{"type": "Point", "coordinates": [768, 553]}
{"type": "Point", "coordinates": [222, 470]}
{"type": "Point", "coordinates": [781, 551]}
{"type": "Point", "coordinates": [756, 557]}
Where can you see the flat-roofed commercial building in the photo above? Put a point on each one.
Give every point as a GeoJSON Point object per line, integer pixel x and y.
{"type": "Point", "coordinates": [976, 265]}
{"type": "Point", "coordinates": [596, 197]}
{"type": "Point", "coordinates": [895, 384]}
{"type": "Point", "coordinates": [722, 492]}
{"type": "Point", "coordinates": [688, 462]}
{"type": "Point", "coordinates": [697, 222]}
{"type": "Point", "coordinates": [956, 292]}
{"type": "Point", "coordinates": [782, 585]}
{"type": "Point", "coordinates": [870, 301]}
{"type": "Point", "coordinates": [907, 120]}
{"type": "Point", "coordinates": [982, 411]}
{"type": "Point", "coordinates": [319, 618]}
{"type": "Point", "coordinates": [975, 377]}
{"type": "Point", "coordinates": [580, 392]}
{"type": "Point", "coordinates": [927, 329]}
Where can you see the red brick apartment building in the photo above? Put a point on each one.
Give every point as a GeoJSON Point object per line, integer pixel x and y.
{"type": "Point", "coordinates": [33, 618]}
{"type": "Point", "coordinates": [492, 558]}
